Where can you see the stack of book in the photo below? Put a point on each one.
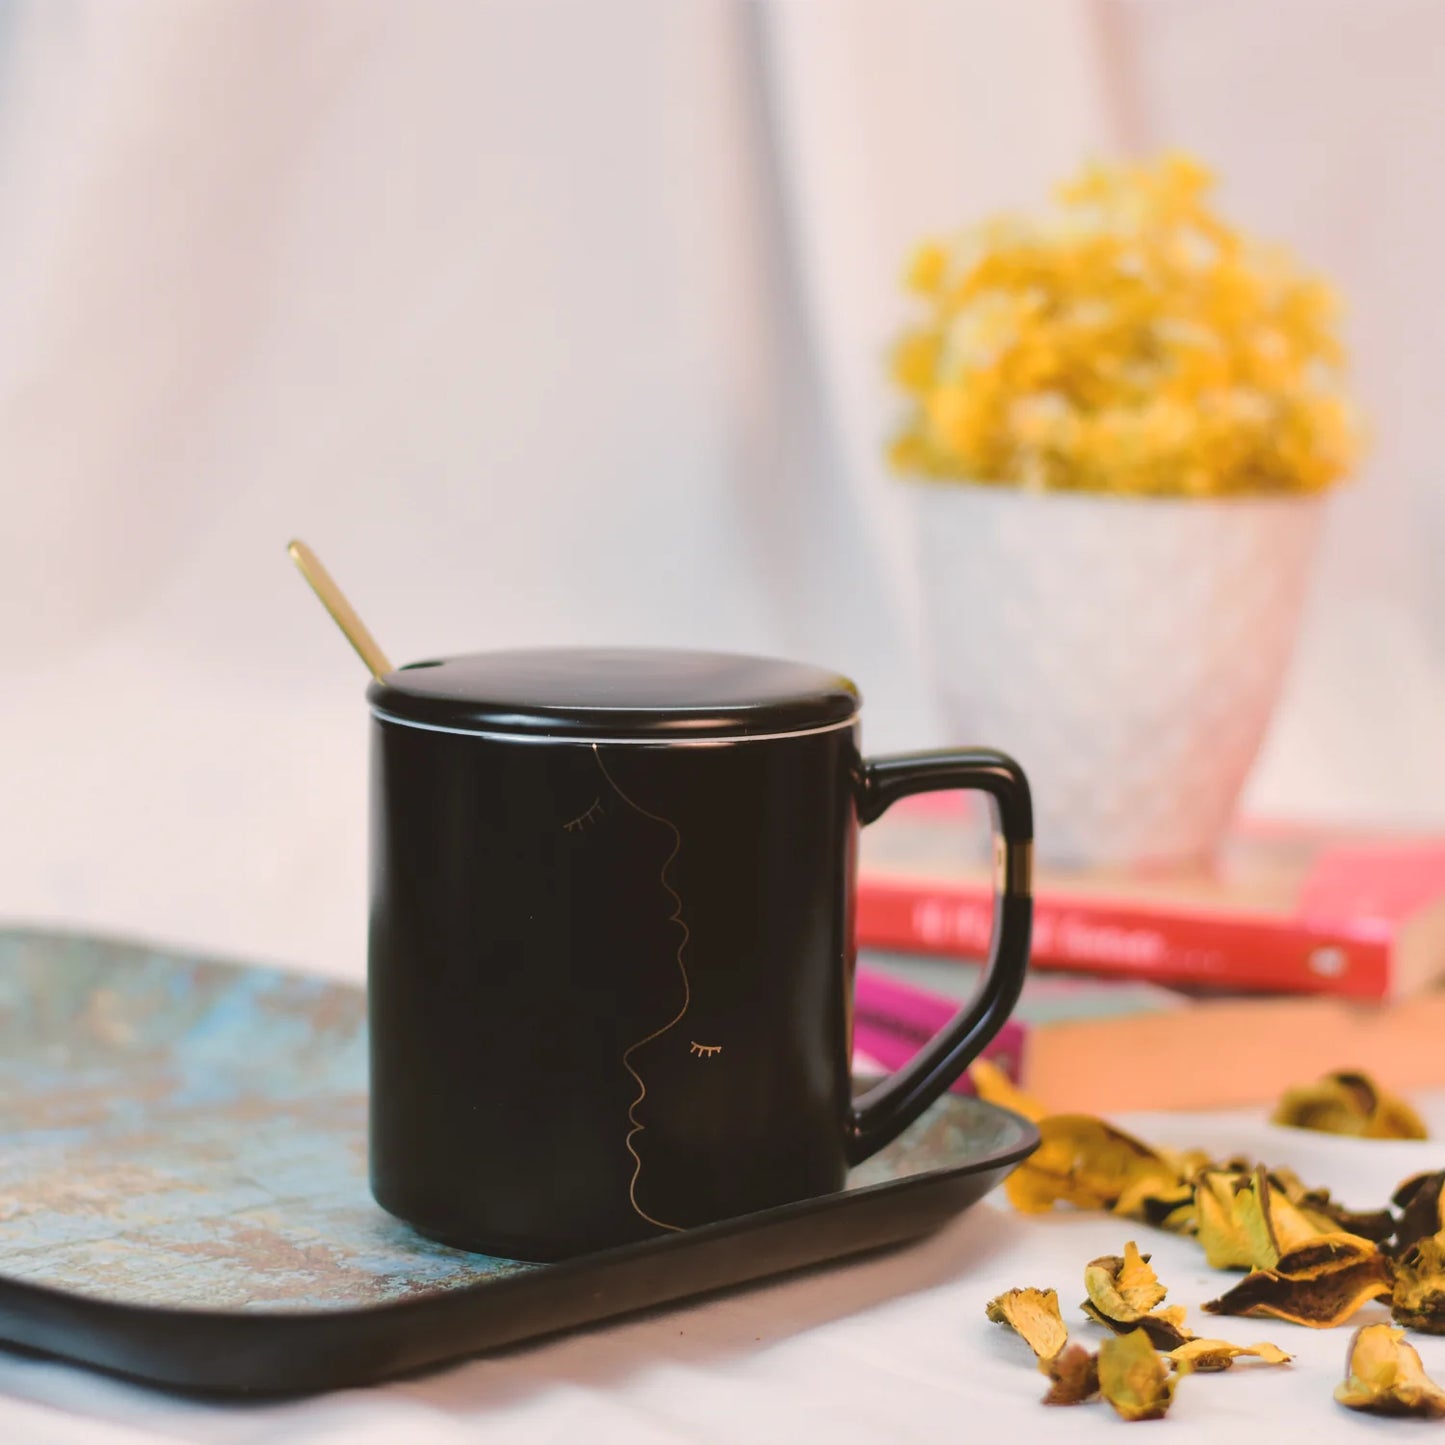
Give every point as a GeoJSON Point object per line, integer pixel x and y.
{"type": "Point", "coordinates": [1303, 949]}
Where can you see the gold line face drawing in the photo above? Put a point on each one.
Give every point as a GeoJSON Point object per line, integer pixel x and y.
{"type": "Point", "coordinates": [705, 1051]}
{"type": "Point", "coordinates": [636, 1124]}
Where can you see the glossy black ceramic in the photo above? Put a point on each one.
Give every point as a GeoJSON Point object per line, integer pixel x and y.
{"type": "Point", "coordinates": [611, 950]}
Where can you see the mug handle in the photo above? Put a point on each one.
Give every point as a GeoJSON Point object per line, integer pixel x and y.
{"type": "Point", "coordinates": [892, 1105]}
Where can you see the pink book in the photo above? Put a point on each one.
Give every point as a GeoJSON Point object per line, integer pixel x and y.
{"type": "Point", "coordinates": [893, 1020]}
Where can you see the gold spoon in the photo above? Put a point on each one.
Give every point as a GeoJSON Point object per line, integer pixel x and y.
{"type": "Point", "coordinates": [333, 599]}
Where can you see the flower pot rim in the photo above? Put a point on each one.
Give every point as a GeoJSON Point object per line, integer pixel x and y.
{"type": "Point", "coordinates": [1240, 501]}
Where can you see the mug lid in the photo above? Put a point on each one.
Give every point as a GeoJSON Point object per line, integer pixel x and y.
{"type": "Point", "coordinates": [610, 694]}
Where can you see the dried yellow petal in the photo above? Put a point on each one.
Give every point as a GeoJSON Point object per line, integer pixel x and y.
{"type": "Point", "coordinates": [1033, 1314]}
{"type": "Point", "coordinates": [1152, 1201]}
{"type": "Point", "coordinates": [1418, 1299]}
{"type": "Point", "coordinates": [1186, 1163]}
{"type": "Point", "coordinates": [1165, 1329]}
{"type": "Point", "coordinates": [1168, 1207]}
{"type": "Point", "coordinates": [1134, 1378]}
{"type": "Point", "coordinates": [1329, 1216]}
{"type": "Point", "coordinates": [1073, 1376]}
{"type": "Point", "coordinates": [1395, 1119]}
{"type": "Point", "coordinates": [1321, 1285]}
{"type": "Point", "coordinates": [1384, 1374]}
{"type": "Point", "coordinates": [1084, 1162]}
{"type": "Point", "coordinates": [1123, 1293]}
{"type": "Point", "coordinates": [1275, 1225]}
{"type": "Point", "coordinates": [1208, 1355]}
{"type": "Point", "coordinates": [994, 1086]}
{"type": "Point", "coordinates": [1227, 1244]}
{"type": "Point", "coordinates": [1126, 1286]}
{"type": "Point", "coordinates": [1422, 1206]}
{"type": "Point", "coordinates": [1256, 1210]}
{"type": "Point", "coordinates": [1176, 1216]}
{"type": "Point", "coordinates": [1349, 1103]}
{"type": "Point", "coordinates": [1246, 1221]}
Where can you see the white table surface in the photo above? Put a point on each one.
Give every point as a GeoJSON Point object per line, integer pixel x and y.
{"type": "Point", "coordinates": [893, 1347]}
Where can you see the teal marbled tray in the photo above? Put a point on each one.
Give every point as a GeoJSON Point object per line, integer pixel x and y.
{"type": "Point", "coordinates": [183, 1188]}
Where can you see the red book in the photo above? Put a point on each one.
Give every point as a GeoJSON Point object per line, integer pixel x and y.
{"type": "Point", "coordinates": [1287, 909]}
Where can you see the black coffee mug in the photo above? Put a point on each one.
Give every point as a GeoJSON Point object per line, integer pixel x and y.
{"type": "Point", "coordinates": [611, 944]}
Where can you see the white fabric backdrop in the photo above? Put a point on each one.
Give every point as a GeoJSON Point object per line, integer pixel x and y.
{"type": "Point", "coordinates": [555, 320]}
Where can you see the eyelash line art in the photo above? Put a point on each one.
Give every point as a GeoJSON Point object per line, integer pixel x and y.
{"type": "Point", "coordinates": [705, 1051]}
{"type": "Point", "coordinates": [584, 819]}
{"type": "Point", "coordinates": [627, 1053]}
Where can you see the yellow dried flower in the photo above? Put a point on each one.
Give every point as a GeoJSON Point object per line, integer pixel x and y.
{"type": "Point", "coordinates": [1034, 1315]}
{"type": "Point", "coordinates": [1134, 1378]}
{"type": "Point", "coordinates": [1349, 1102]}
{"type": "Point", "coordinates": [1385, 1375]}
{"type": "Point", "coordinates": [1132, 342]}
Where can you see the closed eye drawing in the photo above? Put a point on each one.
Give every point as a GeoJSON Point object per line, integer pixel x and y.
{"type": "Point", "coordinates": [584, 819]}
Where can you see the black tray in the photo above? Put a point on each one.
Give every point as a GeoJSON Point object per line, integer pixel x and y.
{"type": "Point", "coordinates": [183, 1188]}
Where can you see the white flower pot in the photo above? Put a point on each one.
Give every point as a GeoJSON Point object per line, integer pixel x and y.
{"type": "Point", "coordinates": [1127, 651]}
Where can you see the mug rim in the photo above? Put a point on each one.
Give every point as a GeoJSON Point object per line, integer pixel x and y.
{"type": "Point", "coordinates": [668, 740]}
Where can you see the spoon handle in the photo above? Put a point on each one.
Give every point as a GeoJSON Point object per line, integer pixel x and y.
{"type": "Point", "coordinates": [342, 612]}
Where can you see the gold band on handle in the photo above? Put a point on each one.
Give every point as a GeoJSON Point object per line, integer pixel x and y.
{"type": "Point", "coordinates": [333, 599]}
{"type": "Point", "coordinates": [1013, 868]}
{"type": "Point", "coordinates": [1022, 857]}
